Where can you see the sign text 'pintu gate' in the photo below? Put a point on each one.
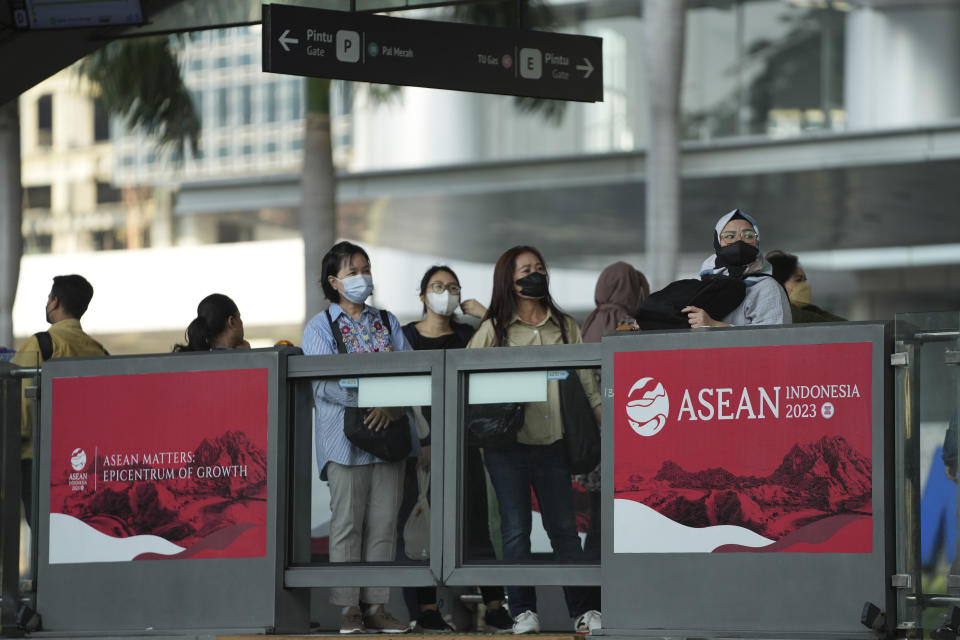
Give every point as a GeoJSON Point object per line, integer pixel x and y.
{"type": "Point", "coordinates": [370, 48]}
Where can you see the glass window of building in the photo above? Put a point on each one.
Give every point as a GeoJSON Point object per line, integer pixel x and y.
{"type": "Point", "coordinates": [38, 243]}
{"type": "Point", "coordinates": [197, 97]}
{"type": "Point", "coordinates": [246, 104]}
{"type": "Point", "coordinates": [270, 102]}
{"type": "Point", "coordinates": [45, 120]}
{"type": "Point", "coordinates": [108, 194]}
{"type": "Point", "coordinates": [221, 107]}
{"type": "Point", "coordinates": [101, 122]}
{"type": "Point", "coordinates": [37, 197]}
{"type": "Point", "coordinates": [296, 99]}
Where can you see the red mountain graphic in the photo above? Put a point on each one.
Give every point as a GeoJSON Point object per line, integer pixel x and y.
{"type": "Point", "coordinates": [184, 511]}
{"type": "Point", "coordinates": [814, 481]}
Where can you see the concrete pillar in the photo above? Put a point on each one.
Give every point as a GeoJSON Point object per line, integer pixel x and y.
{"type": "Point", "coordinates": [902, 63]}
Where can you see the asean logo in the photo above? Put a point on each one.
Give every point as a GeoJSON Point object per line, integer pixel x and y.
{"type": "Point", "coordinates": [78, 459]}
{"type": "Point", "coordinates": [647, 413]}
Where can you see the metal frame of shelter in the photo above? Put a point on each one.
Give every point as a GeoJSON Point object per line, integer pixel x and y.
{"type": "Point", "coordinates": [271, 593]}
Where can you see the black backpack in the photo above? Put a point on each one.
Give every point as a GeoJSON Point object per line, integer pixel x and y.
{"type": "Point", "coordinates": [45, 342]}
{"type": "Point", "coordinates": [718, 295]}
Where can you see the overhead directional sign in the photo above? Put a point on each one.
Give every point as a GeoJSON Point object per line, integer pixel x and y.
{"type": "Point", "coordinates": [443, 55]}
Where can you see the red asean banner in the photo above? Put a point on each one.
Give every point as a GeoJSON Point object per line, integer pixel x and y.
{"type": "Point", "coordinates": [155, 466]}
{"type": "Point", "coordinates": [759, 449]}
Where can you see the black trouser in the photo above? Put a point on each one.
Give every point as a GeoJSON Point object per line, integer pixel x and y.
{"type": "Point", "coordinates": [26, 488]}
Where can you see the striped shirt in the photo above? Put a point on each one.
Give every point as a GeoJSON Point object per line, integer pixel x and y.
{"type": "Point", "coordinates": [363, 335]}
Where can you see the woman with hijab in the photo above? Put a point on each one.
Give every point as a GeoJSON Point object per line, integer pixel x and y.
{"type": "Point", "coordinates": [620, 290]}
{"type": "Point", "coordinates": [736, 242]}
{"type": "Point", "coordinates": [788, 272]}
{"type": "Point", "coordinates": [522, 313]}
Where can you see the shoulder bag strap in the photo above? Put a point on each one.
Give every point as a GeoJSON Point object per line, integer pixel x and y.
{"type": "Point", "coordinates": [335, 330]}
{"type": "Point", "coordinates": [385, 319]}
{"type": "Point", "coordinates": [45, 342]}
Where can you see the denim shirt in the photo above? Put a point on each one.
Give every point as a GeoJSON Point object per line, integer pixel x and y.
{"type": "Point", "coordinates": [360, 336]}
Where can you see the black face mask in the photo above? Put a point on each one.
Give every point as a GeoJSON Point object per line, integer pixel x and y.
{"type": "Point", "coordinates": [738, 254]}
{"type": "Point", "coordinates": [533, 285]}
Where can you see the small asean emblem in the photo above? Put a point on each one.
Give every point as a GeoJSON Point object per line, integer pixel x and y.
{"type": "Point", "coordinates": [78, 459]}
{"type": "Point", "coordinates": [648, 411]}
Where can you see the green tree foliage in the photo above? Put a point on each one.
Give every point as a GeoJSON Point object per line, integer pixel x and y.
{"type": "Point", "coordinates": [139, 80]}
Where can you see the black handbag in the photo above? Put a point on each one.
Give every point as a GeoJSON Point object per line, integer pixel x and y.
{"type": "Point", "coordinates": [494, 426]}
{"type": "Point", "coordinates": [392, 443]}
{"type": "Point", "coordinates": [581, 433]}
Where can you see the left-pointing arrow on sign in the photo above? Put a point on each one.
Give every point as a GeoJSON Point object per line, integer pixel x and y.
{"type": "Point", "coordinates": [586, 68]}
{"type": "Point", "coordinates": [284, 40]}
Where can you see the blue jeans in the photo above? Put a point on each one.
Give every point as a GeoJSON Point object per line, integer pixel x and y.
{"type": "Point", "coordinates": [544, 467]}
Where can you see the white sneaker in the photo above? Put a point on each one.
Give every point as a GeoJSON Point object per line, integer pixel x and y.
{"type": "Point", "coordinates": [588, 622]}
{"type": "Point", "coordinates": [526, 622]}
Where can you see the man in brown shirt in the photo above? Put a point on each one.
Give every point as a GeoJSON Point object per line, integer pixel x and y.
{"type": "Point", "coordinates": [67, 302]}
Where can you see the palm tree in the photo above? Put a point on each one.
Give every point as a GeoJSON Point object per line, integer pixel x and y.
{"type": "Point", "coordinates": [11, 238]}
{"type": "Point", "coordinates": [318, 190]}
{"type": "Point", "coordinates": [664, 43]}
{"type": "Point", "coordinates": [139, 80]}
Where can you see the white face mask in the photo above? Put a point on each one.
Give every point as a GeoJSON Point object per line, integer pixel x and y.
{"type": "Point", "coordinates": [357, 288]}
{"type": "Point", "coordinates": [443, 304]}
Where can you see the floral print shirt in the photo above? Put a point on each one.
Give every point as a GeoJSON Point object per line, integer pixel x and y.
{"type": "Point", "coordinates": [364, 335]}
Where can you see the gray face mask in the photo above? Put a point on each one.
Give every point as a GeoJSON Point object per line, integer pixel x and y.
{"type": "Point", "coordinates": [357, 288]}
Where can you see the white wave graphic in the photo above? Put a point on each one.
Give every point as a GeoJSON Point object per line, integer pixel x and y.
{"type": "Point", "coordinates": [639, 529]}
{"type": "Point", "coordinates": [74, 541]}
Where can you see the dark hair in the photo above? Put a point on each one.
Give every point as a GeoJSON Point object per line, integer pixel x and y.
{"type": "Point", "coordinates": [73, 293]}
{"type": "Point", "coordinates": [212, 315]}
{"type": "Point", "coordinates": [332, 262]}
{"type": "Point", "coordinates": [503, 301]}
{"type": "Point", "coordinates": [432, 271]}
{"type": "Point", "coordinates": [784, 265]}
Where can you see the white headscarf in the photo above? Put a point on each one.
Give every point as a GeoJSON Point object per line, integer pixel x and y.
{"type": "Point", "coordinates": [710, 264]}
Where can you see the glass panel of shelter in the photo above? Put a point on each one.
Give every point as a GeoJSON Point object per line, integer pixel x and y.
{"type": "Point", "coordinates": [396, 489]}
{"type": "Point", "coordinates": [520, 503]}
{"type": "Point", "coordinates": [928, 399]}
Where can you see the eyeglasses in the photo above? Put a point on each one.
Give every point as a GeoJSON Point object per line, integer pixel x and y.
{"type": "Point", "coordinates": [439, 287]}
{"type": "Point", "coordinates": [746, 234]}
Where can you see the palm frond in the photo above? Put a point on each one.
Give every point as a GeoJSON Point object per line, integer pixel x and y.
{"type": "Point", "coordinates": [139, 80]}
{"type": "Point", "coordinates": [380, 94]}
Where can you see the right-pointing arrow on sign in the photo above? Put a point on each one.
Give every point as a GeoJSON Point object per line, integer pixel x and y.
{"type": "Point", "coordinates": [586, 68]}
{"type": "Point", "coordinates": [284, 41]}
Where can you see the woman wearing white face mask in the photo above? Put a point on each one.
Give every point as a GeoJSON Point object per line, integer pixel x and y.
{"type": "Point", "coordinates": [365, 491]}
{"type": "Point", "coordinates": [440, 294]}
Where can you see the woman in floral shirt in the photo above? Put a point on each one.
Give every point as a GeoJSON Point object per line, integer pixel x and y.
{"type": "Point", "coordinates": [365, 491]}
